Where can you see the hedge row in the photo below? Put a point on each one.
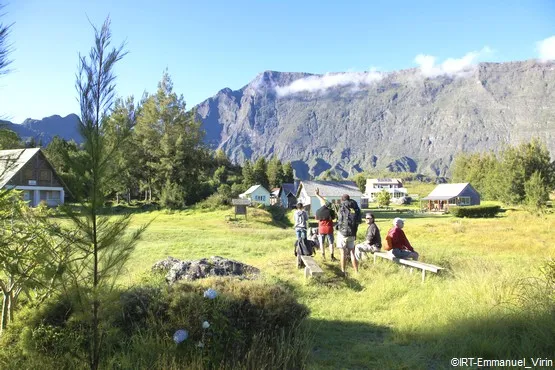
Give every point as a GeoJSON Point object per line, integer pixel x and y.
{"type": "Point", "coordinates": [475, 211]}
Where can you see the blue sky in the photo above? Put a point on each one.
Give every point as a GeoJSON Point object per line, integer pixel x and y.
{"type": "Point", "coordinates": [207, 46]}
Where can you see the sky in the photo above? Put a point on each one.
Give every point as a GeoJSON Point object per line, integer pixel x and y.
{"type": "Point", "coordinates": [209, 45]}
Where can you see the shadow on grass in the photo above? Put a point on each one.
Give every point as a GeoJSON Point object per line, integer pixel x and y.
{"type": "Point", "coordinates": [513, 335]}
{"type": "Point", "coordinates": [338, 279]}
{"type": "Point", "coordinates": [346, 344]}
{"type": "Point", "coordinates": [279, 217]}
{"type": "Point", "coordinates": [364, 345]}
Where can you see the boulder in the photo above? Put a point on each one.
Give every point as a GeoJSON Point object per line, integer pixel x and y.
{"type": "Point", "coordinates": [214, 266]}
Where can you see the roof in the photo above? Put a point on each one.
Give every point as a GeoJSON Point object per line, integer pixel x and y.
{"type": "Point", "coordinates": [331, 188]}
{"type": "Point", "coordinates": [289, 188]}
{"type": "Point", "coordinates": [253, 188]}
{"type": "Point", "coordinates": [275, 192]}
{"type": "Point", "coordinates": [446, 191]}
{"type": "Point", "coordinates": [386, 181]}
{"type": "Point", "coordinates": [11, 161]}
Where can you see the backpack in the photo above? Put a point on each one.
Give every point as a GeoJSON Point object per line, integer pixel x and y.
{"type": "Point", "coordinates": [349, 218]}
{"type": "Point", "coordinates": [306, 248]}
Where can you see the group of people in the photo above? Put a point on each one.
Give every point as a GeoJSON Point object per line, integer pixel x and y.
{"type": "Point", "coordinates": [348, 217]}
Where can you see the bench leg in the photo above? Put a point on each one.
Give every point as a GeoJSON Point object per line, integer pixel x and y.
{"type": "Point", "coordinates": [374, 259]}
{"type": "Point", "coordinates": [306, 272]}
{"type": "Point", "coordinates": [423, 275]}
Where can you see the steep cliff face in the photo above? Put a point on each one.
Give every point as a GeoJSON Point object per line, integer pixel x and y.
{"type": "Point", "coordinates": [401, 120]}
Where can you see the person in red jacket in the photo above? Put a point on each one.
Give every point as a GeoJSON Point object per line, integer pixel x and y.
{"type": "Point", "coordinates": [325, 216]}
{"type": "Point", "coordinates": [398, 243]}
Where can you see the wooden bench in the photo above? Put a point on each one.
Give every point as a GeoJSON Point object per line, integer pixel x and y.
{"type": "Point", "coordinates": [410, 263]}
{"type": "Point", "coordinates": [311, 268]}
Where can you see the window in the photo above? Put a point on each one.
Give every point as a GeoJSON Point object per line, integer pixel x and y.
{"type": "Point", "coordinates": [28, 174]}
{"type": "Point", "coordinates": [260, 198]}
{"type": "Point", "coordinates": [464, 201]}
{"type": "Point", "coordinates": [44, 175]}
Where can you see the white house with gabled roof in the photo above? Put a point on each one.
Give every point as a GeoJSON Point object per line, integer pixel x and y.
{"type": "Point", "coordinates": [257, 194]}
{"type": "Point", "coordinates": [393, 186]}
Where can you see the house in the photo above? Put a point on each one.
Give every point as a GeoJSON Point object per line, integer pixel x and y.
{"type": "Point", "coordinates": [275, 197]}
{"type": "Point", "coordinates": [28, 170]}
{"type": "Point", "coordinates": [393, 186]}
{"type": "Point", "coordinates": [257, 194]}
{"type": "Point", "coordinates": [331, 190]}
{"type": "Point", "coordinates": [289, 195]}
{"type": "Point", "coordinates": [445, 195]}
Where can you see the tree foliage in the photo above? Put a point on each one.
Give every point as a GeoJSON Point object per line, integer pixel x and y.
{"type": "Point", "coordinates": [288, 173]}
{"type": "Point", "coordinates": [32, 256]}
{"type": "Point", "coordinates": [99, 242]}
{"type": "Point", "coordinates": [383, 198]}
{"type": "Point", "coordinates": [503, 176]}
{"type": "Point", "coordinates": [5, 48]}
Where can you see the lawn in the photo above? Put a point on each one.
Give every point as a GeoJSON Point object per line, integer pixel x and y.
{"type": "Point", "coordinates": [384, 317]}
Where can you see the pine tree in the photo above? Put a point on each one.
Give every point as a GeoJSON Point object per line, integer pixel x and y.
{"type": "Point", "coordinates": [260, 169]}
{"type": "Point", "coordinates": [288, 174]}
{"type": "Point", "coordinates": [275, 173]}
{"type": "Point", "coordinates": [100, 243]}
{"type": "Point", "coordinates": [248, 175]}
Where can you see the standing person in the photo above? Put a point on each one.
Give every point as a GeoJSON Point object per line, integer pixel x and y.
{"type": "Point", "coordinates": [398, 243]}
{"type": "Point", "coordinates": [373, 242]}
{"type": "Point", "coordinates": [347, 224]}
{"type": "Point", "coordinates": [301, 222]}
{"type": "Point", "coordinates": [325, 216]}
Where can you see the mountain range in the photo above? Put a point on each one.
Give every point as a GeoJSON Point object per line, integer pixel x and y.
{"type": "Point", "coordinates": [409, 120]}
{"type": "Point", "coordinates": [44, 130]}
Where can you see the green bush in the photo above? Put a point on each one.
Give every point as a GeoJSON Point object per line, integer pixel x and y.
{"type": "Point", "coordinates": [245, 322]}
{"type": "Point", "coordinates": [475, 211]}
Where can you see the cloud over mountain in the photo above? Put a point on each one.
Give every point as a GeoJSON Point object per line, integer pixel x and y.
{"type": "Point", "coordinates": [451, 66]}
{"type": "Point", "coordinates": [546, 49]}
{"type": "Point", "coordinates": [315, 84]}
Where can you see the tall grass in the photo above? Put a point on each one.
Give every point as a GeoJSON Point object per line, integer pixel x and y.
{"type": "Point", "coordinates": [491, 301]}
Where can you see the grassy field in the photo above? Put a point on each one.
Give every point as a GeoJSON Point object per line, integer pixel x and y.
{"type": "Point", "coordinates": [384, 317]}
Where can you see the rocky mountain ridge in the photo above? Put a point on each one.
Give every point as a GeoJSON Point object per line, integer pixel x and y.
{"type": "Point", "coordinates": [403, 120]}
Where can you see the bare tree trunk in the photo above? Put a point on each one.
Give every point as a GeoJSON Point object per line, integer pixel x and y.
{"type": "Point", "coordinates": [117, 198]}
{"type": "Point", "coordinates": [11, 306]}
{"type": "Point", "coordinates": [3, 317]}
{"type": "Point", "coordinates": [5, 312]}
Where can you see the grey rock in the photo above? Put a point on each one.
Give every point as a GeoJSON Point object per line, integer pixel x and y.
{"type": "Point", "coordinates": [198, 269]}
{"type": "Point", "coordinates": [405, 122]}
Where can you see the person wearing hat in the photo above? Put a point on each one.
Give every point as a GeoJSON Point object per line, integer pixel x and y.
{"type": "Point", "coordinates": [325, 216]}
{"type": "Point", "coordinates": [397, 242]}
{"type": "Point", "coordinates": [373, 242]}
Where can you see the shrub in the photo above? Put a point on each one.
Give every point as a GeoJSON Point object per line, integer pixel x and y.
{"type": "Point", "coordinates": [475, 211]}
{"type": "Point", "coordinates": [245, 322]}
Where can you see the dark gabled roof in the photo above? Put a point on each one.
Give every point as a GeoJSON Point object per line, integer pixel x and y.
{"type": "Point", "coordinates": [289, 188]}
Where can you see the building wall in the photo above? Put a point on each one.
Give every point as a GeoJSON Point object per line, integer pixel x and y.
{"type": "Point", "coordinates": [36, 172]}
{"type": "Point", "coordinates": [260, 195]}
{"type": "Point", "coordinates": [469, 191]}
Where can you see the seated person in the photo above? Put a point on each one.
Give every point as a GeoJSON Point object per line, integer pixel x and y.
{"type": "Point", "coordinates": [397, 242]}
{"type": "Point", "coordinates": [373, 242]}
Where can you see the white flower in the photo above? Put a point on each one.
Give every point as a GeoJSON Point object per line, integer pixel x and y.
{"type": "Point", "coordinates": [200, 345]}
{"type": "Point", "coordinates": [205, 325]}
{"type": "Point", "coordinates": [180, 335]}
{"type": "Point", "coordinates": [210, 293]}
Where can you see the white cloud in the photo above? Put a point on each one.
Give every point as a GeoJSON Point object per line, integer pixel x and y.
{"type": "Point", "coordinates": [546, 49]}
{"type": "Point", "coordinates": [322, 83]}
{"type": "Point", "coordinates": [451, 66]}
